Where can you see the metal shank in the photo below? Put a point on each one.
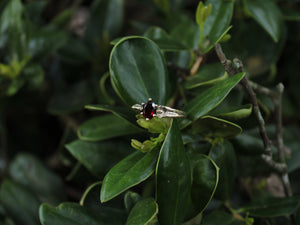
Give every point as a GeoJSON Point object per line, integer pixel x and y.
{"type": "Point", "coordinates": [165, 111]}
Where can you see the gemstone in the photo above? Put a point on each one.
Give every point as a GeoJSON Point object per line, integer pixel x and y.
{"type": "Point", "coordinates": [149, 110]}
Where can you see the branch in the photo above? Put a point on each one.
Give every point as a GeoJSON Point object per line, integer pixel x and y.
{"type": "Point", "coordinates": [267, 155]}
{"type": "Point", "coordinates": [280, 143]}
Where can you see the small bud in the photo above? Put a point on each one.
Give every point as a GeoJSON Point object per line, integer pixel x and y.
{"type": "Point", "coordinates": [202, 13]}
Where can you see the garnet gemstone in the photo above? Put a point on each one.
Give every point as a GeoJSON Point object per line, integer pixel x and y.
{"type": "Point", "coordinates": [149, 110]}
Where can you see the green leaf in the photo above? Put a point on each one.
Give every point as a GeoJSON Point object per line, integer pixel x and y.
{"type": "Point", "coordinates": [71, 98]}
{"type": "Point", "coordinates": [98, 157]}
{"type": "Point", "coordinates": [146, 74]}
{"type": "Point", "coordinates": [130, 199]}
{"type": "Point", "coordinates": [67, 213]}
{"type": "Point", "coordinates": [63, 19]}
{"type": "Point", "coordinates": [34, 10]}
{"type": "Point", "coordinates": [122, 112]}
{"type": "Point", "coordinates": [223, 155]}
{"type": "Point", "coordinates": [74, 51]}
{"type": "Point", "coordinates": [210, 126]}
{"type": "Point", "coordinates": [220, 217]}
{"type": "Point", "coordinates": [132, 170]}
{"type": "Point", "coordinates": [148, 145]}
{"type": "Point", "coordinates": [173, 179]}
{"type": "Point", "coordinates": [187, 33]}
{"type": "Point", "coordinates": [110, 213]}
{"type": "Point", "coordinates": [210, 98]}
{"type": "Point", "coordinates": [163, 40]}
{"type": "Point", "coordinates": [12, 27]}
{"type": "Point", "coordinates": [45, 42]}
{"type": "Point", "coordinates": [205, 180]}
{"type": "Point", "coordinates": [155, 125]}
{"type": "Point", "coordinates": [217, 23]}
{"type": "Point", "coordinates": [272, 207]}
{"type": "Point", "coordinates": [233, 113]}
{"type": "Point", "coordinates": [163, 5]}
{"type": "Point", "coordinates": [202, 12]}
{"type": "Point", "coordinates": [143, 212]}
{"type": "Point", "coordinates": [106, 17]}
{"type": "Point", "coordinates": [267, 15]}
{"type": "Point", "coordinates": [29, 171]}
{"type": "Point", "coordinates": [208, 74]}
{"type": "Point", "coordinates": [98, 129]}
{"type": "Point", "coordinates": [19, 203]}
{"type": "Point", "coordinates": [34, 75]}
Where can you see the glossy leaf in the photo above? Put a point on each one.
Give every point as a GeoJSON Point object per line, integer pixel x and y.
{"type": "Point", "coordinates": [67, 213]}
{"type": "Point", "coordinates": [272, 207]}
{"type": "Point", "coordinates": [218, 21]}
{"type": "Point", "coordinates": [132, 170]}
{"type": "Point", "coordinates": [143, 212]}
{"type": "Point", "coordinates": [122, 112]}
{"type": "Point", "coordinates": [138, 71]}
{"type": "Point", "coordinates": [173, 179]}
{"type": "Point", "coordinates": [223, 155]}
{"type": "Point", "coordinates": [96, 129]}
{"type": "Point", "coordinates": [207, 75]}
{"type": "Point", "coordinates": [98, 157]}
{"type": "Point", "coordinates": [205, 180]}
{"type": "Point", "coordinates": [32, 173]}
{"type": "Point", "coordinates": [163, 40]}
{"type": "Point", "coordinates": [268, 15]}
{"type": "Point", "coordinates": [19, 203]}
{"type": "Point", "coordinates": [210, 98]}
{"type": "Point", "coordinates": [210, 126]}
{"type": "Point", "coordinates": [220, 217]}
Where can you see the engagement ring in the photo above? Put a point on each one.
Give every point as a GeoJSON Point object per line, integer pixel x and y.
{"type": "Point", "coordinates": [150, 110]}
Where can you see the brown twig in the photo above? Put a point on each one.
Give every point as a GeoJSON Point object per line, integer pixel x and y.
{"type": "Point", "coordinates": [267, 155]}
{"type": "Point", "coordinates": [196, 65]}
{"type": "Point", "coordinates": [280, 143]}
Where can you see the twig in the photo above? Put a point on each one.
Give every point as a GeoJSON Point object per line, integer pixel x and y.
{"type": "Point", "coordinates": [262, 90]}
{"type": "Point", "coordinates": [280, 143]}
{"type": "Point", "coordinates": [227, 64]}
{"type": "Point", "coordinates": [196, 64]}
{"type": "Point", "coordinates": [267, 155]}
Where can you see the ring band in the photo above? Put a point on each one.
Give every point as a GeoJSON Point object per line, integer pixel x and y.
{"type": "Point", "coordinates": [150, 110]}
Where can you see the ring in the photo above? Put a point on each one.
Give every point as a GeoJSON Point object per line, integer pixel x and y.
{"type": "Point", "coordinates": [150, 110]}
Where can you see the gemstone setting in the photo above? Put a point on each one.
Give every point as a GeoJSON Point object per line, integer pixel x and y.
{"type": "Point", "coordinates": [149, 110]}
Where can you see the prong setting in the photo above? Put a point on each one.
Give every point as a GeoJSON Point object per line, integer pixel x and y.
{"type": "Point", "coordinates": [150, 110]}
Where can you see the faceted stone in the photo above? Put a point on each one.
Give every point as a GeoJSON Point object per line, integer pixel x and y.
{"type": "Point", "coordinates": [149, 110]}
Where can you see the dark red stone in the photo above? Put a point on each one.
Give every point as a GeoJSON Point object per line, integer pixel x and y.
{"type": "Point", "coordinates": [149, 110]}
